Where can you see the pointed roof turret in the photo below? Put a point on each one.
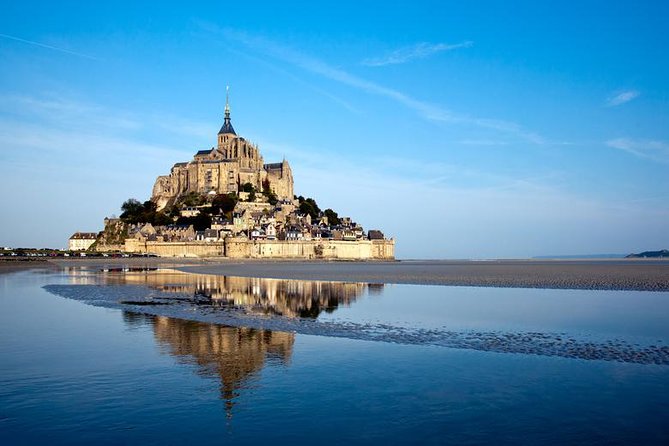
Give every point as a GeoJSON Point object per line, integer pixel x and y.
{"type": "Point", "coordinates": [227, 125]}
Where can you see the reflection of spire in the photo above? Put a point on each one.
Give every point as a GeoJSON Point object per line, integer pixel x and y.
{"type": "Point", "coordinates": [231, 354]}
{"type": "Point", "coordinates": [227, 125]}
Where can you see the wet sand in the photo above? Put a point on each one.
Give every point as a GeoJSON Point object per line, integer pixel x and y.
{"type": "Point", "coordinates": [12, 265]}
{"type": "Point", "coordinates": [592, 274]}
{"type": "Point", "coordinates": [619, 274]}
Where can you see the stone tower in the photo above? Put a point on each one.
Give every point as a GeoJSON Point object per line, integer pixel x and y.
{"type": "Point", "coordinates": [227, 132]}
{"type": "Point", "coordinates": [224, 169]}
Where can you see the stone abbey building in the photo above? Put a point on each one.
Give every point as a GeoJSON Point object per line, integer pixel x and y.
{"type": "Point", "coordinates": [260, 226]}
{"type": "Point", "coordinates": [223, 169]}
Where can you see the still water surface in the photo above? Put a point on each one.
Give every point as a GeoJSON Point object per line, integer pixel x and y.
{"type": "Point", "coordinates": [163, 357]}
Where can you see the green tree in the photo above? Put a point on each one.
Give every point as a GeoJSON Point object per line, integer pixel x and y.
{"type": "Point", "coordinates": [269, 193]}
{"type": "Point", "coordinates": [200, 222]}
{"type": "Point", "coordinates": [161, 219]}
{"type": "Point", "coordinates": [193, 199]}
{"type": "Point", "coordinates": [148, 213]}
{"type": "Point", "coordinates": [172, 211]}
{"type": "Point", "coordinates": [136, 212]}
{"type": "Point", "coordinates": [224, 203]}
{"type": "Point", "coordinates": [131, 207]}
{"type": "Point", "coordinates": [333, 217]}
{"type": "Point", "coordinates": [247, 187]}
{"type": "Point", "coordinates": [309, 206]}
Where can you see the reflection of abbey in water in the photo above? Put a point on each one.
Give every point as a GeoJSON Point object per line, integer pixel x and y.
{"type": "Point", "coordinates": [233, 355]}
{"type": "Point", "coordinates": [290, 298]}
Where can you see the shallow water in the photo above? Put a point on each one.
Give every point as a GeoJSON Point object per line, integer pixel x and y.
{"type": "Point", "coordinates": [325, 362]}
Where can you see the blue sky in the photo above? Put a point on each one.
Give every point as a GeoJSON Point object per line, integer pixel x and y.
{"type": "Point", "coordinates": [462, 129]}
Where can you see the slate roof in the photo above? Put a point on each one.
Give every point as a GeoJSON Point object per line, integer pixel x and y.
{"type": "Point", "coordinates": [84, 236]}
{"type": "Point", "coordinates": [227, 127]}
{"type": "Point", "coordinates": [375, 234]}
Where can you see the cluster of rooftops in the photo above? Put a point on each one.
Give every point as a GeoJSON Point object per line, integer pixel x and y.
{"type": "Point", "coordinates": [257, 221]}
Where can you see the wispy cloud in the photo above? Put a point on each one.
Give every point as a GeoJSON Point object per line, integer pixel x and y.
{"type": "Point", "coordinates": [20, 140]}
{"type": "Point", "coordinates": [482, 142]}
{"type": "Point", "coordinates": [50, 47]}
{"type": "Point", "coordinates": [622, 98]}
{"type": "Point", "coordinates": [297, 79]}
{"type": "Point", "coordinates": [426, 110]}
{"type": "Point", "coordinates": [417, 51]}
{"type": "Point", "coordinates": [525, 209]}
{"type": "Point", "coordinates": [66, 111]}
{"type": "Point", "coordinates": [74, 114]}
{"type": "Point", "coordinates": [648, 149]}
{"type": "Point", "coordinates": [412, 170]}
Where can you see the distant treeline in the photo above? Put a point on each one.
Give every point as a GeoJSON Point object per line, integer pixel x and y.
{"type": "Point", "coordinates": [664, 253]}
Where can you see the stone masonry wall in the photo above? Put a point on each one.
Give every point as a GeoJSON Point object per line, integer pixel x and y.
{"type": "Point", "coordinates": [270, 249]}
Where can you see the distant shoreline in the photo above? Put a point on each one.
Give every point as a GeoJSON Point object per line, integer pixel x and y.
{"type": "Point", "coordinates": [601, 274]}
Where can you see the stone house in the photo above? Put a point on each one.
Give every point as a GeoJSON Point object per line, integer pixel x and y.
{"type": "Point", "coordinates": [344, 234]}
{"type": "Point", "coordinates": [177, 233]}
{"type": "Point", "coordinates": [375, 234]}
{"type": "Point", "coordinates": [81, 241]}
{"type": "Point", "coordinates": [270, 231]}
{"type": "Point", "coordinates": [189, 211]}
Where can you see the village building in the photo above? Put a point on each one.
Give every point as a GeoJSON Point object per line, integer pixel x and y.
{"type": "Point", "coordinates": [189, 211]}
{"type": "Point", "coordinates": [81, 241]}
{"type": "Point", "coordinates": [375, 234]}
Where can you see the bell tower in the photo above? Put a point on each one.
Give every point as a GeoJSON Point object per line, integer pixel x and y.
{"type": "Point", "coordinates": [227, 132]}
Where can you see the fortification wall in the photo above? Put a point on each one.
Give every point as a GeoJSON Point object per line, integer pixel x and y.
{"type": "Point", "coordinates": [106, 248]}
{"type": "Point", "coordinates": [239, 248]}
{"type": "Point", "coordinates": [175, 249]}
{"type": "Point", "coordinates": [312, 249]}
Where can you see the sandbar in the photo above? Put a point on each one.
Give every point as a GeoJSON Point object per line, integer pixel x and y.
{"type": "Point", "coordinates": [562, 274]}
{"type": "Point", "coordinates": [617, 274]}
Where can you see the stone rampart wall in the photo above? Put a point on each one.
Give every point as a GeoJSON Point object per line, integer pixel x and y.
{"type": "Point", "coordinates": [107, 248]}
{"type": "Point", "coordinates": [239, 248]}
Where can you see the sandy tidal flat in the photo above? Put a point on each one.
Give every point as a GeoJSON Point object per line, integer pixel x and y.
{"type": "Point", "coordinates": [645, 275]}
{"type": "Point", "coordinates": [608, 275]}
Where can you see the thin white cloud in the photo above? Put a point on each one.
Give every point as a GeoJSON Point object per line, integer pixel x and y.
{"type": "Point", "coordinates": [415, 171]}
{"type": "Point", "coordinates": [648, 149]}
{"type": "Point", "coordinates": [428, 111]}
{"type": "Point", "coordinates": [524, 210]}
{"type": "Point", "coordinates": [482, 142]}
{"type": "Point", "coordinates": [622, 98]}
{"type": "Point", "coordinates": [417, 51]}
{"type": "Point", "coordinates": [50, 47]}
{"type": "Point", "coordinates": [297, 79]}
{"type": "Point", "coordinates": [21, 140]}
{"type": "Point", "coordinates": [68, 113]}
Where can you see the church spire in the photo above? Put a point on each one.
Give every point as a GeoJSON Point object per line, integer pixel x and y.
{"type": "Point", "coordinates": [227, 126]}
{"type": "Point", "coordinates": [227, 102]}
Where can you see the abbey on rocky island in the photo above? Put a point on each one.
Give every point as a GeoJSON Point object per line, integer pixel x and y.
{"type": "Point", "coordinates": [226, 202]}
{"type": "Point", "coordinates": [224, 169]}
